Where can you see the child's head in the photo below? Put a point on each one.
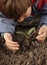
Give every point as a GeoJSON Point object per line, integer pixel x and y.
{"type": "Point", "coordinates": [17, 9]}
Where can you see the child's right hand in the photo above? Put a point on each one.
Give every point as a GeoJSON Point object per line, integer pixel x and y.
{"type": "Point", "coordinates": [9, 42]}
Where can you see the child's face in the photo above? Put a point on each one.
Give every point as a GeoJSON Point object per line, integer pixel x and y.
{"type": "Point", "coordinates": [25, 15]}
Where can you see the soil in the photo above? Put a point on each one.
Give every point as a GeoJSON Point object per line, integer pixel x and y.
{"type": "Point", "coordinates": [31, 51]}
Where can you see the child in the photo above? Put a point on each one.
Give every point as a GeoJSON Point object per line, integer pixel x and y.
{"type": "Point", "coordinates": [19, 10]}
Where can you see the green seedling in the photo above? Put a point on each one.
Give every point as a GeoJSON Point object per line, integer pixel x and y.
{"type": "Point", "coordinates": [20, 32]}
{"type": "Point", "coordinates": [31, 30]}
{"type": "Point", "coordinates": [23, 33]}
{"type": "Point", "coordinates": [26, 34]}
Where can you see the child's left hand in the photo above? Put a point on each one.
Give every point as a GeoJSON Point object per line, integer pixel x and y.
{"type": "Point", "coordinates": [42, 34]}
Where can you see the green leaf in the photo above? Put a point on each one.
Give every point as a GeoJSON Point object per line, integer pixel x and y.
{"type": "Point", "coordinates": [19, 32]}
{"type": "Point", "coordinates": [30, 31]}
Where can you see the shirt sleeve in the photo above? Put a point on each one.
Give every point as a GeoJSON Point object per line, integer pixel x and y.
{"type": "Point", "coordinates": [6, 25]}
{"type": "Point", "coordinates": [43, 19]}
{"type": "Point", "coordinates": [41, 9]}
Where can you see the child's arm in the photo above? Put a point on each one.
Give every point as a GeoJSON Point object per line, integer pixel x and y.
{"type": "Point", "coordinates": [40, 6]}
{"type": "Point", "coordinates": [7, 26]}
{"type": "Point", "coordinates": [42, 34]}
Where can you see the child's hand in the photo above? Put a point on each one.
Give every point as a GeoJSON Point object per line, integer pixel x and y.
{"type": "Point", "coordinates": [42, 33]}
{"type": "Point", "coordinates": [9, 43]}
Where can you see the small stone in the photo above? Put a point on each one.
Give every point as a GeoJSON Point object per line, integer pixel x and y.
{"type": "Point", "coordinates": [30, 54]}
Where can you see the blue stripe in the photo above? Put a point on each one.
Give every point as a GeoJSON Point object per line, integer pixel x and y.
{"type": "Point", "coordinates": [35, 10]}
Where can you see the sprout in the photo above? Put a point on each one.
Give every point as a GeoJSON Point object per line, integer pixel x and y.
{"type": "Point", "coordinates": [27, 33]}
{"type": "Point", "coordinates": [31, 30]}
{"type": "Point", "coordinates": [19, 32]}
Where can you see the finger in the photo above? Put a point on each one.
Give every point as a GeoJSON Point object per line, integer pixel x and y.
{"type": "Point", "coordinates": [40, 31]}
{"type": "Point", "coordinates": [11, 48]}
{"type": "Point", "coordinates": [40, 39]}
{"type": "Point", "coordinates": [9, 44]}
{"type": "Point", "coordinates": [42, 35]}
{"type": "Point", "coordinates": [15, 43]}
{"type": "Point", "coordinates": [12, 42]}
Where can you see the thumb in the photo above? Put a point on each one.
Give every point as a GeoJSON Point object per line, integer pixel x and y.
{"type": "Point", "coordinates": [40, 31]}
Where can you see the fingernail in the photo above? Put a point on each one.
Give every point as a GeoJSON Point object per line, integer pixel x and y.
{"type": "Point", "coordinates": [17, 44]}
{"type": "Point", "coordinates": [17, 48]}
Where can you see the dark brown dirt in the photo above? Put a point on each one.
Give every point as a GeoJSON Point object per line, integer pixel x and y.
{"type": "Point", "coordinates": [31, 52]}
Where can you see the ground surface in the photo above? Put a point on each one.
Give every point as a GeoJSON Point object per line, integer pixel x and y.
{"type": "Point", "coordinates": [31, 52]}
